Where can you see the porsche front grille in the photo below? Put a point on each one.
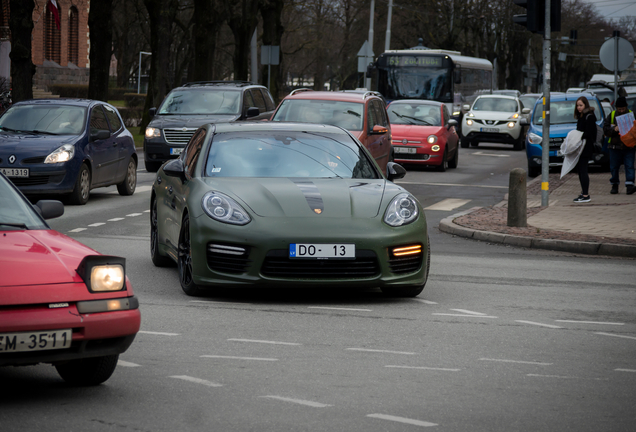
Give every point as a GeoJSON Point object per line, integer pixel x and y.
{"type": "Point", "coordinates": [278, 264]}
{"type": "Point", "coordinates": [405, 264]}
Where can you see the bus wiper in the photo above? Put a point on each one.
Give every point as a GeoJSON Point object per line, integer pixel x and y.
{"type": "Point", "coordinates": [14, 225]}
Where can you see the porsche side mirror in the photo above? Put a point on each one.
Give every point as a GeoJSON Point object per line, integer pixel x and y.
{"type": "Point", "coordinates": [252, 112]}
{"type": "Point", "coordinates": [524, 122]}
{"type": "Point", "coordinates": [174, 168]}
{"type": "Point", "coordinates": [378, 130]}
{"type": "Point", "coordinates": [394, 171]}
{"type": "Point", "coordinates": [152, 112]}
{"type": "Point", "coordinates": [100, 135]}
{"type": "Point", "coordinates": [49, 209]}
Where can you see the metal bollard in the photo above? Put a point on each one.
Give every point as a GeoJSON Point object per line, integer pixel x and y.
{"type": "Point", "coordinates": [517, 199]}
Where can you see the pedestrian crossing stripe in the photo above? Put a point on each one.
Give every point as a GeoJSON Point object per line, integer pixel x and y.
{"type": "Point", "coordinates": [448, 204]}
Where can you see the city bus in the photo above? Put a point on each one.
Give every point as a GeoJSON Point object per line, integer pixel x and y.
{"type": "Point", "coordinates": [431, 74]}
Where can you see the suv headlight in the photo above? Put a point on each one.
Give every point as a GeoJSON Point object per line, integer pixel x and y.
{"type": "Point", "coordinates": [224, 209]}
{"type": "Point", "coordinates": [533, 138]}
{"type": "Point", "coordinates": [402, 211]}
{"type": "Point", "coordinates": [153, 132]}
{"type": "Point", "coordinates": [61, 154]}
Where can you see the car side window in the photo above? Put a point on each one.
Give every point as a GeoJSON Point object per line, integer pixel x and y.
{"type": "Point", "coordinates": [258, 100]}
{"type": "Point", "coordinates": [113, 118]}
{"type": "Point", "coordinates": [384, 119]}
{"type": "Point", "coordinates": [447, 116]}
{"type": "Point", "coordinates": [374, 115]}
{"type": "Point", "coordinates": [269, 101]}
{"type": "Point", "coordinates": [248, 101]}
{"type": "Point", "coordinates": [193, 151]}
{"type": "Point", "coordinates": [98, 120]}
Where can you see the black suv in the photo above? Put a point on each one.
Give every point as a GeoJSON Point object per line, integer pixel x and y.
{"type": "Point", "coordinates": [186, 108]}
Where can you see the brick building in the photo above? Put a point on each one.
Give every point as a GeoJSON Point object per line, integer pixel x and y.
{"type": "Point", "coordinates": [60, 55]}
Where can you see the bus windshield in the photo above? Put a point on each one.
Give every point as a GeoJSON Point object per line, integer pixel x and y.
{"type": "Point", "coordinates": [415, 83]}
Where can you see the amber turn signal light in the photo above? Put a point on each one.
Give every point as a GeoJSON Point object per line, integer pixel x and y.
{"type": "Point", "coordinates": [407, 250]}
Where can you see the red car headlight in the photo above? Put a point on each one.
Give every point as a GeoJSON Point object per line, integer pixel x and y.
{"type": "Point", "coordinates": [103, 273]}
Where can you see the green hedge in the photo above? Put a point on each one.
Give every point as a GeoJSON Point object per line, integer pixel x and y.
{"type": "Point", "coordinates": [134, 100]}
{"type": "Point", "coordinates": [81, 91]}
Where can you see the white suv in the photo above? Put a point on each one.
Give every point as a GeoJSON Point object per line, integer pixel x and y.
{"type": "Point", "coordinates": [494, 118]}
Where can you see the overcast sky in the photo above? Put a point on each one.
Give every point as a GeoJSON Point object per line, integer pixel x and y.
{"type": "Point", "coordinates": [614, 9]}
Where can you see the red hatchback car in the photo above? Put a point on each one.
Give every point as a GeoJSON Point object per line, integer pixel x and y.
{"type": "Point", "coordinates": [424, 134]}
{"type": "Point", "coordinates": [362, 113]}
{"type": "Point", "coordinates": [60, 302]}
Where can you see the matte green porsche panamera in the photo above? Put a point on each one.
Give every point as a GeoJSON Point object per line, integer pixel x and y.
{"type": "Point", "coordinates": [286, 205]}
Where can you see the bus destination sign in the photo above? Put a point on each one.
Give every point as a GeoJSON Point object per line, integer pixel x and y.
{"type": "Point", "coordinates": [404, 60]}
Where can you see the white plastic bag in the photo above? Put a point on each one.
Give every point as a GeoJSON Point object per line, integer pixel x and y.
{"type": "Point", "coordinates": [571, 149]}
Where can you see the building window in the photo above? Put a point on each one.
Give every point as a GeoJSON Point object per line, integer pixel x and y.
{"type": "Point", "coordinates": [52, 45]}
{"type": "Point", "coordinates": [73, 36]}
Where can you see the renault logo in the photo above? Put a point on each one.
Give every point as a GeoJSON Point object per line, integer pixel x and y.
{"type": "Point", "coordinates": [11, 159]}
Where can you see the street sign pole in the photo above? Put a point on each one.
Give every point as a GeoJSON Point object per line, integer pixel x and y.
{"type": "Point", "coordinates": [545, 141]}
{"type": "Point", "coordinates": [616, 36]}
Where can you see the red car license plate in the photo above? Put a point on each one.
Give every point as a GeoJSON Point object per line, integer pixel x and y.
{"type": "Point", "coordinates": [35, 341]}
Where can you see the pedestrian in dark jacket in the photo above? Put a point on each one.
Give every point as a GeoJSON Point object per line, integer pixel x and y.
{"type": "Point", "coordinates": [586, 123]}
{"type": "Point", "coordinates": [619, 153]}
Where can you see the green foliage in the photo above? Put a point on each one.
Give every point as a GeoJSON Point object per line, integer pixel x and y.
{"type": "Point", "coordinates": [69, 90]}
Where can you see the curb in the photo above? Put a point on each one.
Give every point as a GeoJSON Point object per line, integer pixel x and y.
{"type": "Point", "coordinates": [448, 226]}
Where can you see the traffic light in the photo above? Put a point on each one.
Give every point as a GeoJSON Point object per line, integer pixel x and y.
{"type": "Point", "coordinates": [534, 18]}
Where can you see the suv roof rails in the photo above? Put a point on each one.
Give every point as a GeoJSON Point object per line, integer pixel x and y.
{"type": "Point", "coordinates": [217, 82]}
{"type": "Point", "coordinates": [298, 90]}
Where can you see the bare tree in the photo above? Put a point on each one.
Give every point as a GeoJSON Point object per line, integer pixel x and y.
{"type": "Point", "coordinates": [22, 67]}
{"type": "Point", "coordinates": [101, 38]}
{"type": "Point", "coordinates": [242, 20]}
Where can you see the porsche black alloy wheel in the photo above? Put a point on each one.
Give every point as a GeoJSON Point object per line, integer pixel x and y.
{"type": "Point", "coordinates": [88, 371]}
{"type": "Point", "coordinates": [157, 259]}
{"type": "Point", "coordinates": [185, 260]}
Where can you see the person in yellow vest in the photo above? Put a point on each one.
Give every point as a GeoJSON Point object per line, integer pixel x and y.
{"type": "Point", "coordinates": [619, 153]}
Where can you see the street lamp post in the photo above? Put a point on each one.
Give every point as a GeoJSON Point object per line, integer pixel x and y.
{"type": "Point", "coordinates": [139, 71]}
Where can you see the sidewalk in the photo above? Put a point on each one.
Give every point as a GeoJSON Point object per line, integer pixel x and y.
{"type": "Point", "coordinates": [604, 226]}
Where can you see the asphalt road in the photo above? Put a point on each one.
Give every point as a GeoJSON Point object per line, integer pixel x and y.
{"type": "Point", "coordinates": [501, 339]}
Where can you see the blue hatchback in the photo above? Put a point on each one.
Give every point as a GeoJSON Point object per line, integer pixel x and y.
{"type": "Point", "coordinates": [562, 121]}
{"type": "Point", "coordinates": [67, 146]}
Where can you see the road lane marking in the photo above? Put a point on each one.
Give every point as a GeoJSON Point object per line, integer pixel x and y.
{"type": "Point", "coordinates": [146, 211]}
{"type": "Point", "coordinates": [464, 315]}
{"type": "Point", "coordinates": [115, 219]}
{"type": "Point", "coordinates": [428, 302]}
{"type": "Point", "coordinates": [448, 204]}
{"type": "Point", "coordinates": [468, 312]}
{"type": "Point", "coordinates": [380, 351]}
{"type": "Point", "coordinates": [339, 308]}
{"type": "Point", "coordinates": [423, 367]}
{"type": "Point", "coordinates": [218, 302]}
{"type": "Point", "coordinates": [196, 380]}
{"type": "Point", "coordinates": [538, 324]}
{"type": "Point", "coordinates": [402, 420]}
{"type": "Point", "coordinates": [516, 361]}
{"type": "Point", "coordinates": [134, 214]}
{"type": "Point", "coordinates": [453, 184]}
{"type": "Point", "coordinates": [138, 189]}
{"type": "Point", "coordinates": [78, 229]}
{"type": "Point", "coordinates": [625, 370]}
{"type": "Point", "coordinates": [127, 364]}
{"type": "Point", "coordinates": [239, 358]}
{"type": "Point", "coordinates": [565, 377]}
{"type": "Point", "coordinates": [616, 335]}
{"type": "Point", "coordinates": [490, 154]}
{"type": "Point", "coordinates": [97, 224]}
{"type": "Point", "coordinates": [264, 341]}
{"type": "Point", "coordinates": [590, 322]}
{"type": "Point", "coordinates": [298, 401]}
{"type": "Point", "coordinates": [159, 333]}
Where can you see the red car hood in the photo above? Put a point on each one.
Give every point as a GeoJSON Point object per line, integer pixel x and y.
{"type": "Point", "coordinates": [39, 257]}
{"type": "Point", "coordinates": [407, 131]}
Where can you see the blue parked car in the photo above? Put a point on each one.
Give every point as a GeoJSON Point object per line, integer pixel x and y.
{"type": "Point", "coordinates": [67, 147]}
{"type": "Point", "coordinates": [562, 121]}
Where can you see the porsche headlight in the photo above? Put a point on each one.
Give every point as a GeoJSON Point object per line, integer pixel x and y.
{"type": "Point", "coordinates": [533, 138]}
{"type": "Point", "coordinates": [402, 211]}
{"type": "Point", "coordinates": [153, 132]}
{"type": "Point", "coordinates": [62, 154]}
{"type": "Point", "coordinates": [103, 273]}
{"type": "Point", "coordinates": [224, 209]}
{"type": "Point", "coordinates": [432, 139]}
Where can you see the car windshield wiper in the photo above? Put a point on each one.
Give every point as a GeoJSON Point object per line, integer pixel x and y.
{"type": "Point", "coordinates": [41, 132]}
{"type": "Point", "coordinates": [411, 118]}
{"type": "Point", "coordinates": [14, 225]}
{"type": "Point", "coordinates": [9, 129]}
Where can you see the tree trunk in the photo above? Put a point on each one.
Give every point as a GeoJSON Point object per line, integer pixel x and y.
{"type": "Point", "coordinates": [272, 11]}
{"type": "Point", "coordinates": [161, 13]}
{"type": "Point", "coordinates": [243, 22]}
{"type": "Point", "coordinates": [101, 39]}
{"type": "Point", "coordinates": [22, 67]}
{"type": "Point", "coordinates": [208, 17]}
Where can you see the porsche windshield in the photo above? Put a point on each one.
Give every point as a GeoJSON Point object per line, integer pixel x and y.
{"type": "Point", "coordinates": [44, 119]}
{"type": "Point", "coordinates": [562, 112]}
{"type": "Point", "coordinates": [15, 211]}
{"type": "Point", "coordinates": [288, 154]}
{"type": "Point", "coordinates": [202, 101]}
